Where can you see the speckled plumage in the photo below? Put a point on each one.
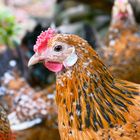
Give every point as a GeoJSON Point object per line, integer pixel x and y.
{"type": "Point", "coordinates": [92, 105]}
{"type": "Point", "coordinates": [21, 99]}
{"type": "Point", "coordinates": [32, 113]}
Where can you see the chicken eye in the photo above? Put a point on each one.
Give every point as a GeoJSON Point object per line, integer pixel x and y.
{"type": "Point", "coordinates": [58, 48]}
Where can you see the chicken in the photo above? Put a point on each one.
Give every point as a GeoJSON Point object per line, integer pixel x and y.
{"type": "Point", "coordinates": [92, 104]}
{"type": "Point", "coordinates": [122, 51]}
{"type": "Point", "coordinates": [5, 131]}
{"type": "Point", "coordinates": [32, 114]}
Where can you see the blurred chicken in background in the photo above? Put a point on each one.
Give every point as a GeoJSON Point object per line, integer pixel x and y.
{"type": "Point", "coordinates": [34, 75]}
{"type": "Point", "coordinates": [122, 45]}
{"type": "Point", "coordinates": [32, 113]}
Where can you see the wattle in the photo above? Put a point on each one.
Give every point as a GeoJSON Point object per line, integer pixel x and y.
{"type": "Point", "coordinates": [122, 15]}
{"type": "Point", "coordinates": [54, 66]}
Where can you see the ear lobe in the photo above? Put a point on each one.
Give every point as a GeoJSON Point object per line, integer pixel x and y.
{"type": "Point", "coordinates": [71, 60]}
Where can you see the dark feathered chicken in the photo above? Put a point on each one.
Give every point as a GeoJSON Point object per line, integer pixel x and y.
{"type": "Point", "coordinates": [34, 75]}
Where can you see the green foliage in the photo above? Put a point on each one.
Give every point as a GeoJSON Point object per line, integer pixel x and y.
{"type": "Point", "coordinates": [8, 27]}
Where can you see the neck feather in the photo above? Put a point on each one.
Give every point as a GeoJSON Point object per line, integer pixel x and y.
{"type": "Point", "coordinates": [88, 96]}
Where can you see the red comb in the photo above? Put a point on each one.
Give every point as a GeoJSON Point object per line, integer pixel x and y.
{"type": "Point", "coordinates": [42, 40]}
{"type": "Point", "coordinates": [120, 1]}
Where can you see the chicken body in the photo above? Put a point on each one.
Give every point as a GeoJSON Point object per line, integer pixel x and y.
{"type": "Point", "coordinates": [92, 105]}
{"type": "Point", "coordinates": [122, 51]}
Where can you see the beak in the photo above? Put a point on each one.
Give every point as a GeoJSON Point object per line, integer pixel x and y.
{"type": "Point", "coordinates": [123, 8]}
{"type": "Point", "coordinates": [36, 58]}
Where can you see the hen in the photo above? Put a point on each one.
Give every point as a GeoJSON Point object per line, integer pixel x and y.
{"type": "Point", "coordinates": [122, 51]}
{"type": "Point", "coordinates": [91, 103]}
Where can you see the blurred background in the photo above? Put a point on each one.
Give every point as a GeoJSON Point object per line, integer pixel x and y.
{"type": "Point", "coordinates": [26, 95]}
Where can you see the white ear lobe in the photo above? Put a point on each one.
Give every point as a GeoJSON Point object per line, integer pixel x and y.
{"type": "Point", "coordinates": [71, 60]}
